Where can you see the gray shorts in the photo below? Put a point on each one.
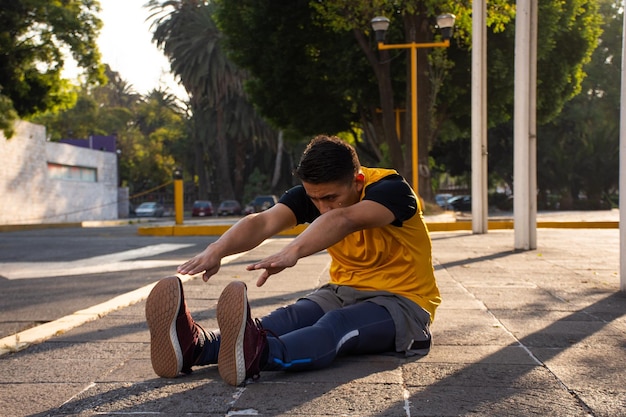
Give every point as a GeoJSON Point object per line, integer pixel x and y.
{"type": "Point", "coordinates": [411, 321]}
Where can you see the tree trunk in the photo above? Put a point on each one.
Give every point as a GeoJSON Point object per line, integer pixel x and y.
{"type": "Point", "coordinates": [278, 160]}
{"type": "Point", "coordinates": [240, 167]}
{"type": "Point", "coordinates": [223, 173]}
{"type": "Point", "coordinates": [382, 71]}
{"type": "Point", "coordinates": [201, 163]}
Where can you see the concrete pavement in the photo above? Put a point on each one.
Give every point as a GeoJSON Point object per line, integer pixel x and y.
{"type": "Point", "coordinates": [519, 333]}
{"type": "Point", "coordinates": [446, 221]}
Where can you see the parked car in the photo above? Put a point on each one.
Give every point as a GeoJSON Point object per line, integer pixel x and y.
{"type": "Point", "coordinates": [202, 208]}
{"type": "Point", "coordinates": [149, 209]}
{"type": "Point", "coordinates": [229, 208]}
{"type": "Point", "coordinates": [263, 202]}
{"type": "Point", "coordinates": [460, 203]}
{"type": "Point", "coordinates": [442, 199]}
{"type": "Point", "coordinates": [249, 208]}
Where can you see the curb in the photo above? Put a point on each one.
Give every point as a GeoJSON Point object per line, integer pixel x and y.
{"type": "Point", "coordinates": [218, 230]}
{"type": "Point", "coordinates": [38, 334]}
{"type": "Point", "coordinates": [86, 223]}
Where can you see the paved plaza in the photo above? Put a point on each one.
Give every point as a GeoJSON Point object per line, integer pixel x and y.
{"type": "Point", "coordinates": [519, 333]}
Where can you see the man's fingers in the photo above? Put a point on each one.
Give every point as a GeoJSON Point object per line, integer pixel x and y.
{"type": "Point", "coordinates": [262, 278]}
{"type": "Point", "coordinates": [253, 267]}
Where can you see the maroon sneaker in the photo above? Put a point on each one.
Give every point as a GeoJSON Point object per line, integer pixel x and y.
{"type": "Point", "coordinates": [175, 338]}
{"type": "Point", "coordinates": [243, 341]}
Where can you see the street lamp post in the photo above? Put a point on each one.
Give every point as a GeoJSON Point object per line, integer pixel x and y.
{"type": "Point", "coordinates": [380, 24]}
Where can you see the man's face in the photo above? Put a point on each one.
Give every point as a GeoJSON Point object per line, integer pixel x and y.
{"type": "Point", "coordinates": [331, 195]}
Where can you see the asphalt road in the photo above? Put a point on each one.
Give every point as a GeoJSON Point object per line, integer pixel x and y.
{"type": "Point", "coordinates": [50, 273]}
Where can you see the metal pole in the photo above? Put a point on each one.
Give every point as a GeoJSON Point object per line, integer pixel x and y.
{"type": "Point", "coordinates": [532, 127]}
{"type": "Point", "coordinates": [414, 140]}
{"type": "Point", "coordinates": [521, 175]}
{"type": "Point", "coordinates": [479, 117]}
{"type": "Point", "coordinates": [622, 166]}
{"type": "Point", "coordinates": [178, 200]}
{"type": "Point", "coordinates": [414, 47]}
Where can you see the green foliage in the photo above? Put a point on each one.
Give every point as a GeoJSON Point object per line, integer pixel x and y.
{"type": "Point", "coordinates": [7, 115]}
{"type": "Point", "coordinates": [569, 36]}
{"type": "Point", "coordinates": [303, 78]}
{"type": "Point", "coordinates": [256, 184]}
{"type": "Point", "coordinates": [151, 131]}
{"type": "Point", "coordinates": [226, 129]}
{"type": "Point", "coordinates": [568, 33]}
{"type": "Point", "coordinates": [578, 152]}
{"type": "Point", "coordinates": [314, 68]}
{"type": "Point", "coordinates": [102, 110]}
{"type": "Point", "coordinates": [33, 36]}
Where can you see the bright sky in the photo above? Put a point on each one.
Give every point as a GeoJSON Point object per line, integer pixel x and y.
{"type": "Point", "coordinates": [125, 44]}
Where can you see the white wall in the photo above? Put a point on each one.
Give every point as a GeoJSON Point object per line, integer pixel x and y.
{"type": "Point", "coordinates": [29, 195]}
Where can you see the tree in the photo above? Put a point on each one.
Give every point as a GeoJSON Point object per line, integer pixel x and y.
{"type": "Point", "coordinates": [320, 51]}
{"type": "Point", "coordinates": [578, 151]}
{"type": "Point", "coordinates": [33, 36]}
{"type": "Point", "coordinates": [322, 55]}
{"type": "Point", "coordinates": [568, 33]}
{"type": "Point", "coordinates": [154, 144]}
{"type": "Point", "coordinates": [224, 121]}
{"type": "Point", "coordinates": [99, 110]}
{"type": "Point", "coordinates": [152, 131]}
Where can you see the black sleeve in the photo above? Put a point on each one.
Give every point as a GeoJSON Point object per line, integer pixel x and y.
{"type": "Point", "coordinates": [301, 205]}
{"type": "Point", "coordinates": [394, 193]}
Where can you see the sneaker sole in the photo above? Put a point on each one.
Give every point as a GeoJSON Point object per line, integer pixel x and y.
{"type": "Point", "coordinates": [162, 307]}
{"type": "Point", "coordinates": [231, 319]}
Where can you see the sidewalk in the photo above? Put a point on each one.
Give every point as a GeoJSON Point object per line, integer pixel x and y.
{"type": "Point", "coordinates": [539, 332]}
{"type": "Point", "coordinates": [447, 221]}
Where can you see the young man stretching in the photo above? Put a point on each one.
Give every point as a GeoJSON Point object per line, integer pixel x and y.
{"type": "Point", "coordinates": [382, 293]}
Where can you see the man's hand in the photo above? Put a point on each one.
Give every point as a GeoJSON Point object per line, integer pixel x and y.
{"type": "Point", "coordinates": [274, 264]}
{"type": "Point", "coordinates": [248, 233]}
{"type": "Point", "coordinates": [205, 261]}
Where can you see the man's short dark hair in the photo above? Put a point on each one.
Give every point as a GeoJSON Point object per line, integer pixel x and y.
{"type": "Point", "coordinates": [327, 159]}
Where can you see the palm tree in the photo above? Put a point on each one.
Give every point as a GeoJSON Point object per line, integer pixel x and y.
{"type": "Point", "coordinates": [117, 92]}
{"type": "Point", "coordinates": [224, 122]}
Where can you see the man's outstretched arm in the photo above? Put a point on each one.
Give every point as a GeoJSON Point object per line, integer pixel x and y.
{"type": "Point", "coordinates": [246, 234]}
{"type": "Point", "coordinates": [324, 232]}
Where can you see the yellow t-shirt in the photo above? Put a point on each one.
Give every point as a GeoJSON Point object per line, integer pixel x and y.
{"type": "Point", "coordinates": [392, 258]}
{"type": "Point", "coordinates": [395, 258]}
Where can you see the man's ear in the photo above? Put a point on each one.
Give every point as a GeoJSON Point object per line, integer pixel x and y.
{"type": "Point", "coordinates": [360, 181]}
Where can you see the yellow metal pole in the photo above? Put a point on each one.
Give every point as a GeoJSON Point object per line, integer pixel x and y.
{"type": "Point", "coordinates": [178, 200]}
{"type": "Point", "coordinates": [414, 47]}
{"type": "Point", "coordinates": [398, 130]}
{"type": "Point", "coordinates": [414, 119]}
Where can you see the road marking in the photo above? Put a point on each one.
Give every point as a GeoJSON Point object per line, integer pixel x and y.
{"type": "Point", "coordinates": [114, 262]}
{"type": "Point", "coordinates": [22, 340]}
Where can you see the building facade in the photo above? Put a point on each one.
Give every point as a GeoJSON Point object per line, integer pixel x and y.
{"type": "Point", "coordinates": [47, 182]}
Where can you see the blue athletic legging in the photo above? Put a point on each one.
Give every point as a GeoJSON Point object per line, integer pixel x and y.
{"type": "Point", "coordinates": [309, 339]}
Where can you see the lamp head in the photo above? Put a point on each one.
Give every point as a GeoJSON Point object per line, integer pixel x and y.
{"type": "Point", "coordinates": [380, 24]}
{"type": "Point", "coordinates": [446, 24]}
